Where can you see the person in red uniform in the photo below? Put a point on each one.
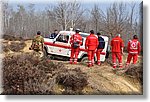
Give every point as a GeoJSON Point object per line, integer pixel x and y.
{"type": "Point", "coordinates": [100, 47]}
{"type": "Point", "coordinates": [91, 45]}
{"type": "Point", "coordinates": [75, 41]}
{"type": "Point", "coordinates": [117, 50]}
{"type": "Point", "coordinates": [133, 48]}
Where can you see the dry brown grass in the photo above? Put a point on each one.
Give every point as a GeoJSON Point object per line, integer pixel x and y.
{"type": "Point", "coordinates": [17, 46]}
{"type": "Point", "coordinates": [27, 74]}
{"type": "Point", "coordinates": [12, 38]}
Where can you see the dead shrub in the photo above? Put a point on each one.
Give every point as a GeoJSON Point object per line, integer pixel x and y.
{"type": "Point", "coordinates": [17, 46]}
{"type": "Point", "coordinates": [21, 76]}
{"type": "Point", "coordinates": [5, 48]}
{"type": "Point", "coordinates": [27, 74]}
{"type": "Point", "coordinates": [73, 79]}
{"type": "Point", "coordinates": [50, 67]}
{"type": "Point", "coordinates": [135, 71]}
{"type": "Point", "coordinates": [12, 38]}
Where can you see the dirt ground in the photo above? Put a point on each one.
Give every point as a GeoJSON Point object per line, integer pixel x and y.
{"type": "Point", "coordinates": [102, 79]}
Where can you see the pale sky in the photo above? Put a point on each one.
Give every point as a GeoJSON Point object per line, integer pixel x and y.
{"type": "Point", "coordinates": [41, 4]}
{"type": "Point", "coordinates": [82, 1]}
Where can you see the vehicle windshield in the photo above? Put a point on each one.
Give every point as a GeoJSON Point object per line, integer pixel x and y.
{"type": "Point", "coordinates": [84, 35]}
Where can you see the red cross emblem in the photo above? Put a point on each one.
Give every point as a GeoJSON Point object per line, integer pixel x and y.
{"type": "Point", "coordinates": [133, 45]}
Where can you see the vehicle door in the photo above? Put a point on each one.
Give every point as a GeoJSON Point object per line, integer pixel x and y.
{"type": "Point", "coordinates": [62, 46]}
{"type": "Point", "coordinates": [48, 43]}
{"type": "Point", "coordinates": [103, 53]}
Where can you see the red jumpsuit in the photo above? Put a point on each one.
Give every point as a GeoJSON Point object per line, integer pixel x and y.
{"type": "Point", "coordinates": [91, 46]}
{"type": "Point", "coordinates": [133, 48]}
{"type": "Point", "coordinates": [100, 48]}
{"type": "Point", "coordinates": [98, 52]}
{"type": "Point", "coordinates": [117, 44]}
{"type": "Point", "coordinates": [75, 51]}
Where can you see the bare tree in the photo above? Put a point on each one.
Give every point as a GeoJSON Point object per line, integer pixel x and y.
{"type": "Point", "coordinates": [68, 14]}
{"type": "Point", "coordinates": [117, 15]}
{"type": "Point", "coordinates": [25, 21]}
{"type": "Point", "coordinates": [95, 16]}
{"type": "Point", "coordinates": [6, 16]}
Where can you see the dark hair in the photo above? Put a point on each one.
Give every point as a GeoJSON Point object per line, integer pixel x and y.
{"type": "Point", "coordinates": [98, 33]}
{"type": "Point", "coordinates": [92, 31]}
{"type": "Point", "coordinates": [38, 32]}
{"type": "Point", "coordinates": [77, 30]}
{"type": "Point", "coordinates": [135, 37]}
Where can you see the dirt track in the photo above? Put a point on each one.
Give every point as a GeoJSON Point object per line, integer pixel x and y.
{"type": "Point", "coordinates": [102, 79]}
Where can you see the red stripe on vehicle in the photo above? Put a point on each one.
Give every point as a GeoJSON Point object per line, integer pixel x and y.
{"type": "Point", "coordinates": [67, 47]}
{"type": "Point", "coordinates": [57, 45]}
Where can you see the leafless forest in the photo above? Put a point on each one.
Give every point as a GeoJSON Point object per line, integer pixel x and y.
{"type": "Point", "coordinates": [123, 18]}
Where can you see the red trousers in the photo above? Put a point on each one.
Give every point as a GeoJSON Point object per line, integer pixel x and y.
{"type": "Point", "coordinates": [115, 56]}
{"type": "Point", "coordinates": [130, 56]}
{"type": "Point", "coordinates": [91, 57]}
{"type": "Point", "coordinates": [74, 55]}
{"type": "Point", "coordinates": [98, 52]}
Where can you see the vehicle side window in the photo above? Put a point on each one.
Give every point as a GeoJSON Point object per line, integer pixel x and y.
{"type": "Point", "coordinates": [67, 38]}
{"type": "Point", "coordinates": [82, 41]}
{"type": "Point", "coordinates": [63, 38]}
{"type": "Point", "coordinates": [59, 38]}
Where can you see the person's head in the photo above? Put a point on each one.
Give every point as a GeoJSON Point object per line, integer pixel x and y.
{"type": "Point", "coordinates": [92, 31]}
{"type": "Point", "coordinates": [99, 34]}
{"type": "Point", "coordinates": [77, 30]}
{"type": "Point", "coordinates": [38, 33]}
{"type": "Point", "coordinates": [56, 31]}
{"type": "Point", "coordinates": [135, 37]}
{"type": "Point", "coordinates": [118, 35]}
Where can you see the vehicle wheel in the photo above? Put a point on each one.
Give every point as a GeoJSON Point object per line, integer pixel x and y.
{"type": "Point", "coordinates": [84, 60]}
{"type": "Point", "coordinates": [107, 55]}
{"type": "Point", "coordinates": [45, 54]}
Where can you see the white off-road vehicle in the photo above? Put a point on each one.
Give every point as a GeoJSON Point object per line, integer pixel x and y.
{"type": "Point", "coordinates": [60, 46]}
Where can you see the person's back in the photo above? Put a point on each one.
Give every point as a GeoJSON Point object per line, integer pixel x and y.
{"type": "Point", "coordinates": [101, 43]}
{"type": "Point", "coordinates": [38, 45]}
{"type": "Point", "coordinates": [117, 50]}
{"type": "Point", "coordinates": [38, 39]}
{"type": "Point", "coordinates": [134, 46]}
{"type": "Point", "coordinates": [92, 42]}
{"type": "Point", "coordinates": [76, 38]}
{"type": "Point", "coordinates": [100, 47]}
{"type": "Point", "coordinates": [38, 42]}
{"type": "Point", "coordinates": [75, 41]}
{"type": "Point", "coordinates": [116, 44]}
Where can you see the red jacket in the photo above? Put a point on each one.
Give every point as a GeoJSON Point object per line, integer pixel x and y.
{"type": "Point", "coordinates": [134, 46]}
{"type": "Point", "coordinates": [117, 44]}
{"type": "Point", "coordinates": [76, 38]}
{"type": "Point", "coordinates": [91, 42]}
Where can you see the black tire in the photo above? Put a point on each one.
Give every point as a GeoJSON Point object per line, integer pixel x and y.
{"type": "Point", "coordinates": [45, 53]}
{"type": "Point", "coordinates": [84, 60]}
{"type": "Point", "coordinates": [107, 55]}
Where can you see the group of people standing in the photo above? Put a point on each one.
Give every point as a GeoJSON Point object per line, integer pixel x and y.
{"type": "Point", "coordinates": [95, 45]}
{"type": "Point", "coordinates": [133, 49]}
